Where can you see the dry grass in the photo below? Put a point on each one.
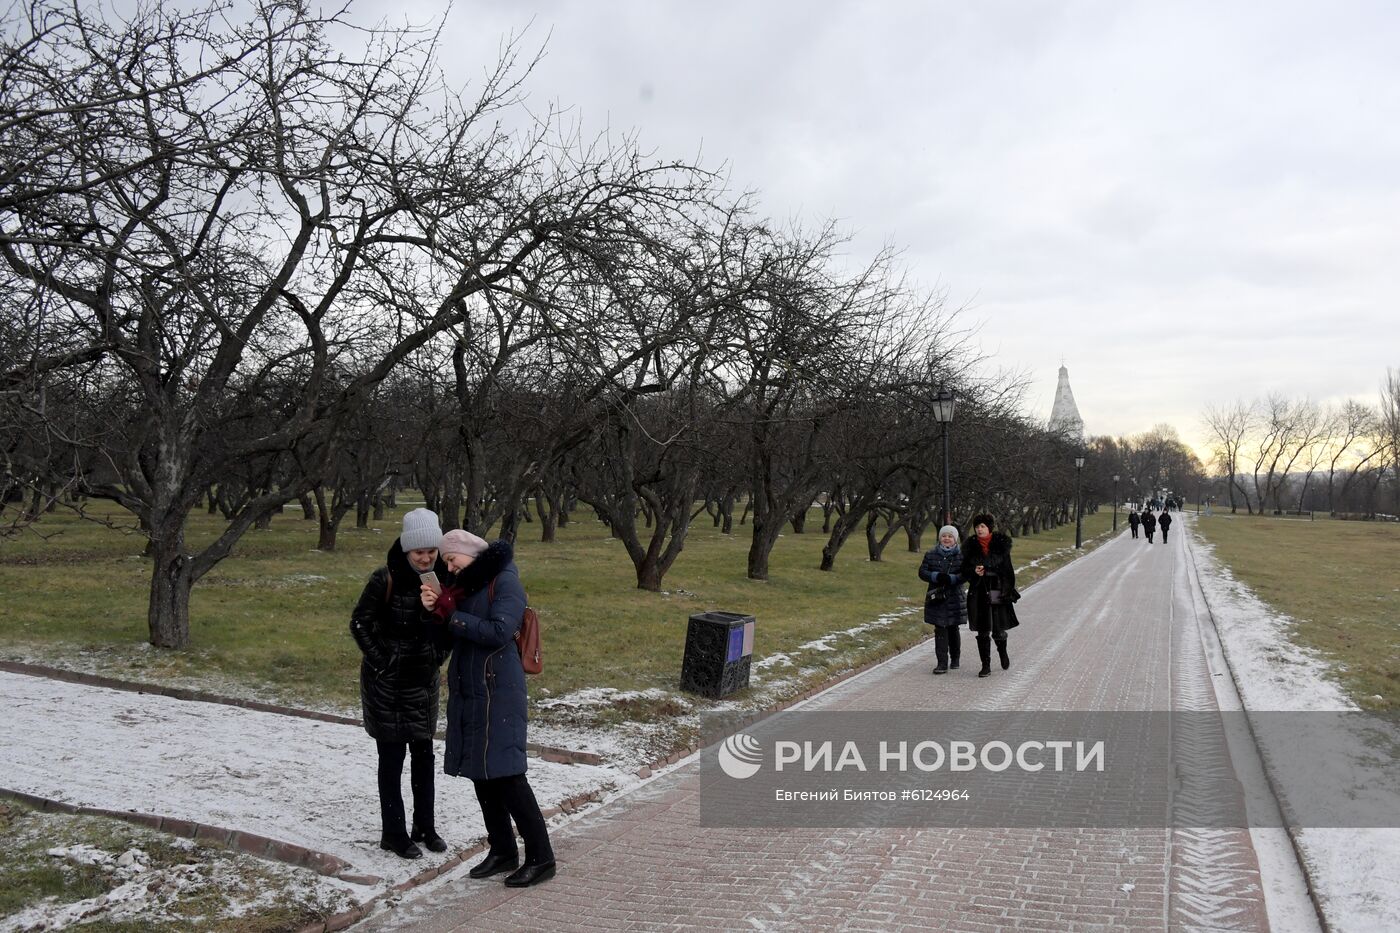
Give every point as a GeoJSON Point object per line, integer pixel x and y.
{"type": "Point", "coordinates": [1339, 580]}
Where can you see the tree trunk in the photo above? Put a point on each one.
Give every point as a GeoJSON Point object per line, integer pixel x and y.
{"type": "Point", "coordinates": [649, 575]}
{"type": "Point", "coordinates": [764, 537]}
{"type": "Point", "coordinates": [379, 508]}
{"type": "Point", "coordinates": [308, 507]}
{"type": "Point", "coordinates": [549, 516]}
{"type": "Point", "coordinates": [169, 610]}
{"type": "Point", "coordinates": [845, 524]}
{"type": "Point", "coordinates": [329, 524]}
{"type": "Point", "coordinates": [449, 510]}
{"type": "Point", "coordinates": [362, 507]}
{"type": "Point", "coordinates": [799, 520]}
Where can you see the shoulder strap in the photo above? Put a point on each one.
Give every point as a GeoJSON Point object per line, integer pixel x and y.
{"type": "Point", "coordinates": [388, 585]}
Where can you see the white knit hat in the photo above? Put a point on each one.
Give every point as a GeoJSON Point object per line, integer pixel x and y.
{"type": "Point", "coordinates": [949, 530]}
{"type": "Point", "coordinates": [420, 530]}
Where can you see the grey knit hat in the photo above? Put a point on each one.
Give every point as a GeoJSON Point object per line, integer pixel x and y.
{"type": "Point", "coordinates": [420, 530]}
{"type": "Point", "coordinates": [949, 530]}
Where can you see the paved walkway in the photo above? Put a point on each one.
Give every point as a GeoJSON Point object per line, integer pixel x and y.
{"type": "Point", "coordinates": [1119, 629]}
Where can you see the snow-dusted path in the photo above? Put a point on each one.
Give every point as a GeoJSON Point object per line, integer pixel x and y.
{"type": "Point", "coordinates": [1120, 629]}
{"type": "Point", "coordinates": [290, 779]}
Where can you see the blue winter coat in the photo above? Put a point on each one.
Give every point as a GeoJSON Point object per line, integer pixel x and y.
{"type": "Point", "coordinates": [486, 698]}
{"type": "Point", "coordinates": [950, 609]}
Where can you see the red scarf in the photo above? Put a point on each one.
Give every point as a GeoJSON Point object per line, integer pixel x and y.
{"type": "Point", "coordinates": [985, 544]}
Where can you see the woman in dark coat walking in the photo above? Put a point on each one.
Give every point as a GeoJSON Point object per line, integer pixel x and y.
{"type": "Point", "coordinates": [486, 702]}
{"type": "Point", "coordinates": [943, 604]}
{"type": "Point", "coordinates": [1166, 522]}
{"type": "Point", "coordinates": [1134, 520]}
{"type": "Point", "coordinates": [991, 590]}
{"type": "Point", "coordinates": [1149, 524]}
{"type": "Point", "coordinates": [399, 681]}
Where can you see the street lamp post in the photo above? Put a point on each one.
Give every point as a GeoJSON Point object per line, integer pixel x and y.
{"type": "Point", "coordinates": [1078, 503]}
{"type": "Point", "coordinates": [1115, 501]}
{"type": "Point", "coordinates": [943, 404]}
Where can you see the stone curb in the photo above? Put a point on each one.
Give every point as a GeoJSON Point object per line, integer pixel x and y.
{"type": "Point", "coordinates": [237, 840]}
{"type": "Point", "coordinates": [546, 752]}
{"type": "Point", "coordinates": [348, 918]}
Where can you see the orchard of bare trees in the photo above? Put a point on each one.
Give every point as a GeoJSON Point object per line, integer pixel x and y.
{"type": "Point", "coordinates": [247, 267]}
{"type": "Point", "coordinates": [1279, 454]}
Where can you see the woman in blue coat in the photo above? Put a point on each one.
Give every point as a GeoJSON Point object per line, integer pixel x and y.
{"type": "Point", "coordinates": [486, 702]}
{"type": "Point", "coordinates": [943, 604]}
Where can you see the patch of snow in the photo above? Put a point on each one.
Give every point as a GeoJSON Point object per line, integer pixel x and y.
{"type": "Point", "coordinates": [290, 779]}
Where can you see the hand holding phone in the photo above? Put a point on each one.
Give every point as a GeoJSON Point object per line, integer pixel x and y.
{"type": "Point", "coordinates": [430, 580]}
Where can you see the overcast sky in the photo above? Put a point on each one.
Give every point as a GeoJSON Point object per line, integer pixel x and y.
{"type": "Point", "coordinates": [1187, 202]}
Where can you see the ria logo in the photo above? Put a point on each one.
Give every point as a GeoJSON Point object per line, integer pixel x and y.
{"type": "Point", "coordinates": [740, 756]}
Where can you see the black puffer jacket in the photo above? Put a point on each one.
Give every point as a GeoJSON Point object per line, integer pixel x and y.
{"type": "Point", "coordinates": [998, 574]}
{"type": "Point", "coordinates": [943, 604]}
{"type": "Point", "coordinates": [399, 672]}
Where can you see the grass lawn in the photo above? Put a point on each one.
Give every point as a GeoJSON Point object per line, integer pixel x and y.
{"type": "Point", "coordinates": [271, 621]}
{"type": "Point", "coordinates": [1339, 580]}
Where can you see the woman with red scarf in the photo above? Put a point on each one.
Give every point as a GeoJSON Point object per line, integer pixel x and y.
{"type": "Point", "coordinates": [986, 565]}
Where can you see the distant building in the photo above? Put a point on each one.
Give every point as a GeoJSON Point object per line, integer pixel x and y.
{"type": "Point", "coordinates": [1064, 414]}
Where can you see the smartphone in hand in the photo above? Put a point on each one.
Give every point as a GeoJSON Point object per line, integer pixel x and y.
{"type": "Point", "coordinates": [430, 580]}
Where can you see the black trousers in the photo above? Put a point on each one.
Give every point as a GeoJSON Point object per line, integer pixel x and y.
{"type": "Point", "coordinates": [420, 780]}
{"type": "Point", "coordinates": [1134, 528]}
{"type": "Point", "coordinates": [1149, 537]}
{"type": "Point", "coordinates": [507, 798]}
{"type": "Point", "coordinates": [947, 644]}
{"type": "Point", "coordinates": [1164, 536]}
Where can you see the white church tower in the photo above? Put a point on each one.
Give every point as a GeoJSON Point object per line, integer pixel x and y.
{"type": "Point", "coordinates": [1064, 415]}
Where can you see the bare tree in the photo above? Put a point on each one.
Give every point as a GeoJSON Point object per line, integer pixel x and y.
{"type": "Point", "coordinates": [1230, 429]}
{"type": "Point", "coordinates": [219, 206]}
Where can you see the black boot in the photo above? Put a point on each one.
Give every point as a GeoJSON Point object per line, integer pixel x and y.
{"type": "Point", "coordinates": [402, 846]}
{"type": "Point", "coordinates": [984, 651]}
{"type": "Point", "coordinates": [1001, 652]}
{"type": "Point", "coordinates": [494, 864]}
{"type": "Point", "coordinates": [429, 837]}
{"type": "Point", "coordinates": [421, 780]}
{"type": "Point", "coordinates": [393, 837]}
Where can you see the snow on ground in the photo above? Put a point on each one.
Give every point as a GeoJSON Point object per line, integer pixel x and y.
{"type": "Point", "coordinates": [290, 779]}
{"type": "Point", "coordinates": [1353, 870]}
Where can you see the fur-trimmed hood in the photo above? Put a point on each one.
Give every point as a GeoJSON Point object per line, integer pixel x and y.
{"type": "Point", "coordinates": [1001, 544]}
{"type": "Point", "coordinates": [485, 568]}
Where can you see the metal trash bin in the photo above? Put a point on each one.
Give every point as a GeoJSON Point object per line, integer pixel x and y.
{"type": "Point", "coordinates": [718, 649]}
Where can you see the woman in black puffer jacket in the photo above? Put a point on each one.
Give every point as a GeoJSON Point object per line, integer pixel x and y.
{"type": "Point", "coordinates": [943, 606]}
{"type": "Point", "coordinates": [399, 680]}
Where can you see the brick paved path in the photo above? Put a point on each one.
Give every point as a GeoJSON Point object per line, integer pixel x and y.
{"type": "Point", "coordinates": [1116, 630]}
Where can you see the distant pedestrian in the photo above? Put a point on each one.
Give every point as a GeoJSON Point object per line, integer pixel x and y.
{"type": "Point", "coordinates": [991, 591]}
{"type": "Point", "coordinates": [1165, 522]}
{"type": "Point", "coordinates": [943, 604]}
{"type": "Point", "coordinates": [1149, 524]}
{"type": "Point", "coordinates": [399, 681]}
{"type": "Point", "coordinates": [486, 702]}
{"type": "Point", "coordinates": [1133, 521]}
